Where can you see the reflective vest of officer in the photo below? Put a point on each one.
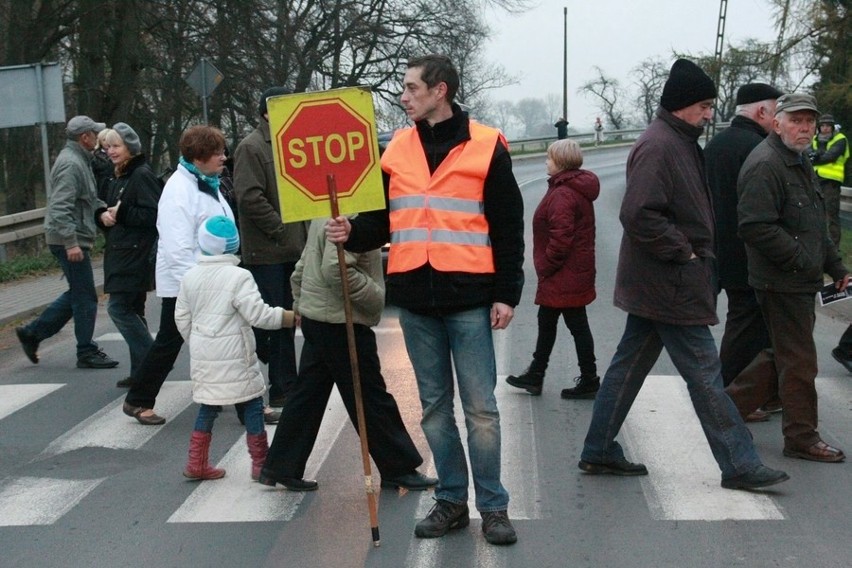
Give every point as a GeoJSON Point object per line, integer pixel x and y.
{"type": "Point", "coordinates": [439, 218]}
{"type": "Point", "coordinates": [833, 170]}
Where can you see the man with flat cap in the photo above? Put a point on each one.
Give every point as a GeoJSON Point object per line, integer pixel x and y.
{"type": "Point", "coordinates": [666, 283]}
{"type": "Point", "coordinates": [781, 214]}
{"type": "Point", "coordinates": [269, 247]}
{"type": "Point", "coordinates": [745, 331]}
{"type": "Point", "coordinates": [70, 231]}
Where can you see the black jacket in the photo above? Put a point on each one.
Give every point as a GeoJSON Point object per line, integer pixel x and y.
{"type": "Point", "coordinates": [426, 290]}
{"type": "Point", "coordinates": [131, 244]}
{"type": "Point", "coordinates": [724, 156]}
{"type": "Point", "coordinates": [782, 222]}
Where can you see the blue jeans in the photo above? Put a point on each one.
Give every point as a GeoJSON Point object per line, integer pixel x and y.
{"type": "Point", "coordinates": [252, 414]}
{"type": "Point", "coordinates": [693, 352]}
{"type": "Point", "coordinates": [80, 301]}
{"type": "Point", "coordinates": [276, 347]}
{"type": "Point", "coordinates": [434, 343]}
{"type": "Point", "coordinates": [124, 309]}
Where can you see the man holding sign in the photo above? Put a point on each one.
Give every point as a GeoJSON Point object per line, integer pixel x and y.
{"type": "Point", "coordinates": [455, 270]}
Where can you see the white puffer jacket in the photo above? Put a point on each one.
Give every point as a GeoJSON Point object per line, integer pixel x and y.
{"type": "Point", "coordinates": [216, 307]}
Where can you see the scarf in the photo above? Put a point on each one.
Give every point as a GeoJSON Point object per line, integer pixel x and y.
{"type": "Point", "coordinates": [212, 181]}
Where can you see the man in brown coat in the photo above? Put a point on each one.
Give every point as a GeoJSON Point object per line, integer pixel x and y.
{"type": "Point", "coordinates": [270, 248]}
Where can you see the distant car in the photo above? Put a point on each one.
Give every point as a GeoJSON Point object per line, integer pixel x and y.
{"type": "Point", "coordinates": [383, 138]}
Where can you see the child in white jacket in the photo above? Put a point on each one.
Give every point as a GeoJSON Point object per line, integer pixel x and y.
{"type": "Point", "coordinates": [216, 308]}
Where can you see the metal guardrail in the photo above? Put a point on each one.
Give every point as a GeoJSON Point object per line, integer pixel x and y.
{"type": "Point", "coordinates": [540, 144]}
{"type": "Point", "coordinates": [18, 226]}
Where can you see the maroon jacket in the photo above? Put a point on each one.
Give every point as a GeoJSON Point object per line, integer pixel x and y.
{"type": "Point", "coordinates": [564, 240]}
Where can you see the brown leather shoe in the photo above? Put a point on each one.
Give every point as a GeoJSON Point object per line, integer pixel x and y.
{"type": "Point", "coordinates": [146, 419]}
{"type": "Point", "coordinates": [819, 452]}
{"type": "Point", "coordinates": [757, 416]}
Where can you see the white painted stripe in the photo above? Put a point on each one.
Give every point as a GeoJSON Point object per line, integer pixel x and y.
{"type": "Point", "coordinates": [16, 397]}
{"type": "Point", "coordinates": [663, 432]}
{"type": "Point", "coordinates": [115, 336]}
{"type": "Point", "coordinates": [40, 501]}
{"type": "Point", "coordinates": [111, 428]}
{"type": "Point", "coordinates": [236, 498]}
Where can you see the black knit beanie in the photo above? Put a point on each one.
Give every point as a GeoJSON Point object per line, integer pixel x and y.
{"type": "Point", "coordinates": [270, 92]}
{"type": "Point", "coordinates": [687, 84]}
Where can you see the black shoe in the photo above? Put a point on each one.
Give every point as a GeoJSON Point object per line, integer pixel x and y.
{"type": "Point", "coordinates": [620, 467]}
{"type": "Point", "coordinates": [587, 387]}
{"type": "Point", "coordinates": [837, 353]}
{"type": "Point", "coordinates": [414, 481]}
{"type": "Point", "coordinates": [29, 343]}
{"type": "Point", "coordinates": [291, 483]}
{"type": "Point", "coordinates": [529, 380]}
{"type": "Point", "coordinates": [498, 529]}
{"type": "Point", "coordinates": [96, 360]}
{"type": "Point", "coordinates": [270, 416]}
{"type": "Point", "coordinates": [443, 517]}
{"type": "Point", "coordinates": [761, 476]}
{"type": "Point", "coordinates": [124, 383]}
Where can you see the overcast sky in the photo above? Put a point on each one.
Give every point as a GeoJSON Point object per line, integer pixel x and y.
{"type": "Point", "coordinates": [612, 34]}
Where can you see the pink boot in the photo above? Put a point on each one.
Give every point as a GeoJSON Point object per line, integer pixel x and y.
{"type": "Point", "coordinates": [257, 447]}
{"type": "Point", "coordinates": [197, 466]}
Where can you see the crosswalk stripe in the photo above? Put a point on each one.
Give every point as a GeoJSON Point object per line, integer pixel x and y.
{"type": "Point", "coordinates": [15, 397]}
{"type": "Point", "coordinates": [235, 498]}
{"type": "Point", "coordinates": [40, 501]}
{"type": "Point", "coordinates": [663, 432]}
{"type": "Point", "coordinates": [111, 428]}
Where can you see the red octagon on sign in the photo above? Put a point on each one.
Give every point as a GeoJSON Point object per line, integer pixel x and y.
{"type": "Point", "coordinates": [324, 137]}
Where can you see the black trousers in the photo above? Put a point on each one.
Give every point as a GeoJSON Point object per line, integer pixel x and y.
{"type": "Point", "coordinates": [577, 323]}
{"type": "Point", "coordinates": [324, 363]}
{"type": "Point", "coordinates": [159, 360]}
{"type": "Point", "coordinates": [745, 334]}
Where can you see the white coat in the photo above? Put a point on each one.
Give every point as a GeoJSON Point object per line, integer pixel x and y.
{"type": "Point", "coordinates": [216, 307]}
{"type": "Point", "coordinates": [183, 207]}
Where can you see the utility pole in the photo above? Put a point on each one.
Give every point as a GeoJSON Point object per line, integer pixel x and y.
{"type": "Point", "coordinates": [717, 59]}
{"type": "Point", "coordinates": [776, 60]}
{"type": "Point", "coordinates": [565, 64]}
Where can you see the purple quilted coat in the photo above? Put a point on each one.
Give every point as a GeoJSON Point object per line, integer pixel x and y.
{"type": "Point", "coordinates": [564, 240]}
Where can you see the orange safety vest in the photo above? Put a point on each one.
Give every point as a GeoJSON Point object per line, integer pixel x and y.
{"type": "Point", "coordinates": [439, 218]}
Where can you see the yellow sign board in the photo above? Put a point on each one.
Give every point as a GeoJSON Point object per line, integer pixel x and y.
{"type": "Point", "coordinates": [321, 134]}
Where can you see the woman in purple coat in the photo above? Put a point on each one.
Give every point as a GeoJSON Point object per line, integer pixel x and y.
{"type": "Point", "coordinates": [564, 258]}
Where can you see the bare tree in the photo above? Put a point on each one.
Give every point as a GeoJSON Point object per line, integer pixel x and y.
{"type": "Point", "coordinates": [649, 77]}
{"type": "Point", "coordinates": [608, 94]}
{"type": "Point", "coordinates": [532, 114]}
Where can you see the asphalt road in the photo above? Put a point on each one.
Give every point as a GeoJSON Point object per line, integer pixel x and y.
{"type": "Point", "coordinates": [81, 485]}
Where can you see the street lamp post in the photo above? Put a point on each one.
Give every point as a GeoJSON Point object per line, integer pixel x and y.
{"type": "Point", "coordinates": [565, 64]}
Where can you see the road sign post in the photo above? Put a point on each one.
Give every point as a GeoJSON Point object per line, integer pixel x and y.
{"type": "Point", "coordinates": [204, 78]}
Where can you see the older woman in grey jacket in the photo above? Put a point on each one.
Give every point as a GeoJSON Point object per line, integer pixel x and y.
{"type": "Point", "coordinates": [318, 299]}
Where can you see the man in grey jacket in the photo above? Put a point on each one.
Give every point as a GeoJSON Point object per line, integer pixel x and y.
{"type": "Point", "coordinates": [270, 248]}
{"type": "Point", "coordinates": [665, 283]}
{"type": "Point", "coordinates": [782, 222]}
{"type": "Point", "coordinates": [69, 228]}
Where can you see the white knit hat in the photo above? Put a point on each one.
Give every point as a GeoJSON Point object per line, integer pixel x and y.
{"type": "Point", "coordinates": [218, 235]}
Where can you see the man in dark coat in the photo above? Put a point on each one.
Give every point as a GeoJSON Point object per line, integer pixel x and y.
{"type": "Point", "coordinates": [745, 331]}
{"type": "Point", "coordinates": [781, 215]}
{"type": "Point", "coordinates": [666, 284]}
{"type": "Point", "coordinates": [270, 248]}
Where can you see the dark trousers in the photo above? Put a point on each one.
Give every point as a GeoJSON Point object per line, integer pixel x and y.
{"type": "Point", "coordinates": [745, 333]}
{"type": "Point", "coordinates": [845, 344]}
{"type": "Point", "coordinates": [792, 363]}
{"type": "Point", "coordinates": [80, 302]}
{"type": "Point", "coordinates": [831, 193]}
{"type": "Point", "coordinates": [324, 363]}
{"type": "Point", "coordinates": [277, 347]}
{"type": "Point", "coordinates": [578, 324]}
{"type": "Point", "coordinates": [159, 360]}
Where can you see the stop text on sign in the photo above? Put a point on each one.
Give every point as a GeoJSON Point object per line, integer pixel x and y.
{"type": "Point", "coordinates": [333, 149]}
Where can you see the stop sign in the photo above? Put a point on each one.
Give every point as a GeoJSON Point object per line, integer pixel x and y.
{"type": "Point", "coordinates": [323, 137]}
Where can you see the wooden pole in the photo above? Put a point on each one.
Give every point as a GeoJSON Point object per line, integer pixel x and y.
{"type": "Point", "coordinates": [356, 374]}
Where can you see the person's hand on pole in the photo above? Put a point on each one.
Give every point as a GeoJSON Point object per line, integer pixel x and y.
{"type": "Point", "coordinates": [337, 229]}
